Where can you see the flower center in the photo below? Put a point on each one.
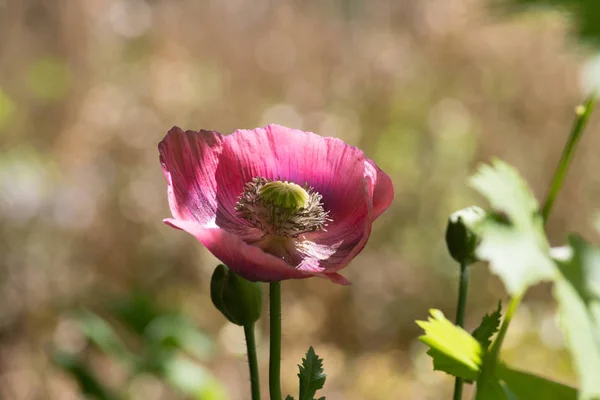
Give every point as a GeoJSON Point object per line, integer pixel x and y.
{"type": "Point", "coordinates": [281, 208]}
{"type": "Point", "coordinates": [286, 195]}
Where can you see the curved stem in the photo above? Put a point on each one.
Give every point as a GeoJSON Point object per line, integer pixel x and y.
{"type": "Point", "coordinates": [275, 342]}
{"type": "Point", "coordinates": [463, 287]}
{"type": "Point", "coordinates": [583, 115]}
{"type": "Point", "coordinates": [252, 361]}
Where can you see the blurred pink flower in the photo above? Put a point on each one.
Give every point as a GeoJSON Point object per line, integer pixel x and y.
{"type": "Point", "coordinates": [274, 203]}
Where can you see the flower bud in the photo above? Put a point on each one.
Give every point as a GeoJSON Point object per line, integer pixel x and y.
{"type": "Point", "coordinates": [238, 299]}
{"type": "Point", "coordinates": [461, 238]}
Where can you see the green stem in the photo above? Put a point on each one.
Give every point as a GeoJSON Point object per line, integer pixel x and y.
{"type": "Point", "coordinates": [275, 343]}
{"type": "Point", "coordinates": [490, 360]}
{"type": "Point", "coordinates": [583, 115]}
{"type": "Point", "coordinates": [512, 308]}
{"type": "Point", "coordinates": [462, 295]}
{"type": "Point", "coordinates": [463, 287]}
{"type": "Point", "coordinates": [252, 361]}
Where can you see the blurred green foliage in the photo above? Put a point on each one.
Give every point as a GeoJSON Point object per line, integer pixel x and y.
{"type": "Point", "coordinates": [48, 78]}
{"type": "Point", "coordinates": [585, 15]}
{"type": "Point", "coordinates": [167, 344]}
{"type": "Point", "coordinates": [7, 108]}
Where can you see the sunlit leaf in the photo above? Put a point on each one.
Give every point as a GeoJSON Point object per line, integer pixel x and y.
{"type": "Point", "coordinates": [449, 365]}
{"type": "Point", "coordinates": [177, 331]}
{"type": "Point", "coordinates": [453, 349]}
{"type": "Point", "coordinates": [192, 379]}
{"type": "Point", "coordinates": [512, 240]}
{"type": "Point", "coordinates": [579, 312]}
{"type": "Point", "coordinates": [582, 270]}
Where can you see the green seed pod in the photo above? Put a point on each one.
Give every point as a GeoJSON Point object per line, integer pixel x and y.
{"type": "Point", "coordinates": [286, 194]}
{"type": "Point", "coordinates": [461, 238]}
{"type": "Point", "coordinates": [238, 299]}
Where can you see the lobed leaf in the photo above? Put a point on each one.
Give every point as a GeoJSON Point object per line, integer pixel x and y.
{"type": "Point", "coordinates": [579, 312]}
{"type": "Point", "coordinates": [488, 327]}
{"type": "Point", "coordinates": [453, 349]}
{"type": "Point", "coordinates": [311, 375]}
{"type": "Point", "coordinates": [513, 239]}
{"type": "Point", "coordinates": [524, 385]}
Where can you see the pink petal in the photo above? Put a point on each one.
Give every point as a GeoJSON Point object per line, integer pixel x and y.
{"type": "Point", "coordinates": [349, 239]}
{"type": "Point", "coordinates": [190, 161]}
{"type": "Point", "coordinates": [331, 167]}
{"type": "Point", "coordinates": [248, 261]}
{"type": "Point", "coordinates": [346, 241]}
{"type": "Point", "coordinates": [383, 191]}
{"type": "Point", "coordinates": [337, 278]}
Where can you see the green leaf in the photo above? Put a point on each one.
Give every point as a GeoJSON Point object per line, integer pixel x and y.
{"type": "Point", "coordinates": [177, 331]}
{"type": "Point", "coordinates": [453, 349]}
{"type": "Point", "coordinates": [7, 109]}
{"type": "Point", "coordinates": [135, 311]}
{"type": "Point", "coordinates": [524, 385]}
{"type": "Point", "coordinates": [582, 270]}
{"type": "Point", "coordinates": [488, 326]}
{"type": "Point", "coordinates": [513, 239]}
{"type": "Point", "coordinates": [99, 332]}
{"type": "Point", "coordinates": [48, 78]}
{"type": "Point", "coordinates": [506, 191]}
{"type": "Point", "coordinates": [86, 379]}
{"type": "Point", "coordinates": [192, 379]}
{"type": "Point", "coordinates": [489, 388]}
{"type": "Point", "coordinates": [585, 15]}
{"type": "Point", "coordinates": [509, 394]}
{"type": "Point", "coordinates": [289, 397]}
{"type": "Point", "coordinates": [579, 313]}
{"type": "Point", "coordinates": [449, 365]}
{"type": "Point", "coordinates": [311, 375]}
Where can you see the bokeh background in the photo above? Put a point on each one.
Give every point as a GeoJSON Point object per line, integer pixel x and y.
{"type": "Point", "coordinates": [98, 296]}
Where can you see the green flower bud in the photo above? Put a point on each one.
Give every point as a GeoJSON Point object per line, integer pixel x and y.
{"type": "Point", "coordinates": [238, 299]}
{"type": "Point", "coordinates": [461, 238]}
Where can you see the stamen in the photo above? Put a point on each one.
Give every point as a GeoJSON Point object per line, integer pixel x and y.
{"type": "Point", "coordinates": [282, 208]}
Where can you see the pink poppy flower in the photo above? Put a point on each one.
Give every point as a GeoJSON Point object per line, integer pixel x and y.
{"type": "Point", "coordinates": [274, 203]}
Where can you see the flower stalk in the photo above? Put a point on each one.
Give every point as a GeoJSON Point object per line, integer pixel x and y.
{"type": "Point", "coordinates": [252, 361]}
{"type": "Point", "coordinates": [461, 306]}
{"type": "Point", "coordinates": [275, 340]}
{"type": "Point", "coordinates": [583, 114]}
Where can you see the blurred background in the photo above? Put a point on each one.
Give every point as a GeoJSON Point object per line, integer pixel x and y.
{"type": "Point", "coordinates": [97, 296]}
